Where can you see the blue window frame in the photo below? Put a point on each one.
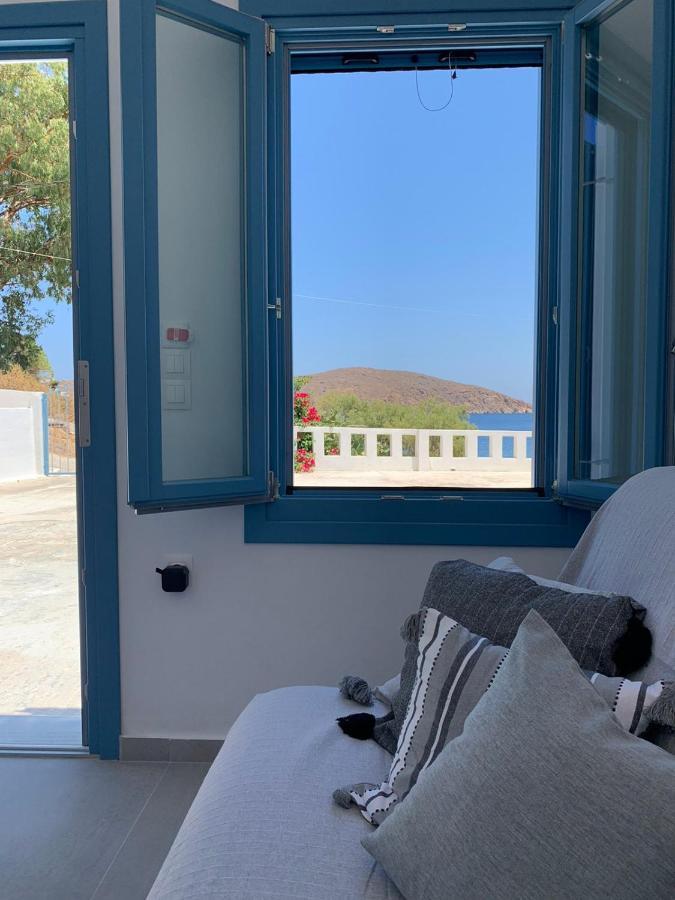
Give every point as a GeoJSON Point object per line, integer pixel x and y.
{"type": "Point", "coordinates": [550, 515]}
{"type": "Point", "coordinates": [196, 317]}
{"type": "Point", "coordinates": [641, 146]}
{"type": "Point", "coordinates": [413, 516]}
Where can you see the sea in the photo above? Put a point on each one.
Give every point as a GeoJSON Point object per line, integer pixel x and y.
{"type": "Point", "coordinates": [502, 421]}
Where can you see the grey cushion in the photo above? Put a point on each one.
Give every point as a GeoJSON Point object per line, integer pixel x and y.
{"type": "Point", "coordinates": [493, 604]}
{"type": "Point", "coordinates": [454, 669]}
{"type": "Point", "coordinates": [544, 795]}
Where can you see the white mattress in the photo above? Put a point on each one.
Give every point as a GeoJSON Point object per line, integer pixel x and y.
{"type": "Point", "coordinates": [264, 823]}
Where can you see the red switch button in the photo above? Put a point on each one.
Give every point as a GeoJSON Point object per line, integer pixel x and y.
{"type": "Point", "coordinates": [178, 335]}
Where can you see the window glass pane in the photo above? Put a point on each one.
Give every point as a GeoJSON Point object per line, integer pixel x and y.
{"type": "Point", "coordinates": [201, 261]}
{"type": "Point", "coordinates": [613, 244]}
{"type": "Point", "coordinates": [414, 272]}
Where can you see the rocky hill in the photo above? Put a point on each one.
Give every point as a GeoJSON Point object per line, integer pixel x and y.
{"type": "Point", "coordinates": [411, 388]}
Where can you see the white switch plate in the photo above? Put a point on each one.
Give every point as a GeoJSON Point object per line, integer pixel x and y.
{"type": "Point", "coordinates": [175, 363]}
{"type": "Point", "coordinates": [176, 394]}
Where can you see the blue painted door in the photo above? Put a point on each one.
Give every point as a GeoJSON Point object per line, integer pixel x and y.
{"type": "Point", "coordinates": [77, 31]}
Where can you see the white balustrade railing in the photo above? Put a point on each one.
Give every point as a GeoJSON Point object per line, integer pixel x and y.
{"type": "Point", "coordinates": [420, 450]}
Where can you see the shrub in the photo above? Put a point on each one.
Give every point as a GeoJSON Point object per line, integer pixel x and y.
{"type": "Point", "coordinates": [348, 411]}
{"type": "Point", "coordinates": [304, 414]}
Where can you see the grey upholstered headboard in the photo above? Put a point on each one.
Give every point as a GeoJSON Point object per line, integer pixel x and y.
{"type": "Point", "coordinates": [629, 548]}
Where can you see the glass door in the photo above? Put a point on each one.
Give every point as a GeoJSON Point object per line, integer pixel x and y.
{"type": "Point", "coordinates": [40, 671]}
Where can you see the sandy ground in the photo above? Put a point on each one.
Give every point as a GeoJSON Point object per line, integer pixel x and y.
{"type": "Point", "coordinates": [39, 616]}
{"type": "Point", "coordinates": [414, 479]}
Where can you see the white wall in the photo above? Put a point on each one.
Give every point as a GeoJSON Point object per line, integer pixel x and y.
{"type": "Point", "coordinates": [21, 435]}
{"type": "Point", "coordinates": [255, 616]}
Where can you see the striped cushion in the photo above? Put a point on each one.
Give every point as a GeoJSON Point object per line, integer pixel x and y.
{"type": "Point", "coordinates": [454, 669]}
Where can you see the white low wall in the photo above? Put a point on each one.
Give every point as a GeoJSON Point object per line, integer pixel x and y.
{"type": "Point", "coordinates": [404, 456]}
{"type": "Point", "coordinates": [22, 438]}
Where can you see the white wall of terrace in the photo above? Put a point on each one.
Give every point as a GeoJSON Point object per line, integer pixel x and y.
{"type": "Point", "coordinates": [418, 450]}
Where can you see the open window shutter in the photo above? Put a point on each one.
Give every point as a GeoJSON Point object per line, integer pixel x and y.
{"type": "Point", "coordinates": [614, 223]}
{"type": "Point", "coordinates": [195, 242]}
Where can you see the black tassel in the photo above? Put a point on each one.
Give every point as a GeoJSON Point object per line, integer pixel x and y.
{"type": "Point", "coordinates": [358, 725]}
{"type": "Point", "coordinates": [633, 649]}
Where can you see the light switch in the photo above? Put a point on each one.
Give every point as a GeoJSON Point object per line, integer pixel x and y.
{"type": "Point", "coordinates": [176, 362]}
{"type": "Point", "coordinates": [177, 394]}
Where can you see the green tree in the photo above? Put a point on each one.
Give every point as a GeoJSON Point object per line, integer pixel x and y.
{"type": "Point", "coordinates": [35, 237]}
{"type": "Point", "coordinates": [348, 411]}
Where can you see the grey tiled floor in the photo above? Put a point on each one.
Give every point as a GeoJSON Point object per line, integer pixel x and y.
{"type": "Point", "coordinates": [79, 829]}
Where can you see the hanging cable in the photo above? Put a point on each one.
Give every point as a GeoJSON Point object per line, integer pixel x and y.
{"type": "Point", "coordinates": [32, 253]}
{"type": "Point", "coordinates": [452, 68]}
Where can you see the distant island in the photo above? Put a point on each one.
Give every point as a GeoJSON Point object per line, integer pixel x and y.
{"type": "Point", "coordinates": [410, 388]}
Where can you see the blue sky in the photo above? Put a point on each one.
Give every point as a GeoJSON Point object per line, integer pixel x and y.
{"type": "Point", "coordinates": [414, 232]}
{"type": "Point", "coordinates": [57, 339]}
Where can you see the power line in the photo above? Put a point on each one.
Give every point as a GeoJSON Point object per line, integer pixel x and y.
{"type": "Point", "coordinates": [32, 183]}
{"type": "Point", "coordinates": [416, 309]}
{"type": "Point", "coordinates": [32, 253]}
{"type": "Point", "coordinates": [363, 303]}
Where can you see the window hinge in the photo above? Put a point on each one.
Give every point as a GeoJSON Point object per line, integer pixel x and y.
{"type": "Point", "coordinates": [386, 29]}
{"type": "Point", "coordinates": [276, 306]}
{"type": "Point", "coordinates": [274, 487]}
{"type": "Point", "coordinates": [392, 497]}
{"type": "Point", "coordinates": [554, 485]}
{"type": "Point", "coordinates": [83, 577]}
{"type": "Point", "coordinates": [74, 129]}
{"type": "Point", "coordinates": [554, 315]}
{"type": "Point", "coordinates": [270, 40]}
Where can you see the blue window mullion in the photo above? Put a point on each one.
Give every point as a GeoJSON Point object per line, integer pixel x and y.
{"type": "Point", "coordinates": [569, 237]}
{"type": "Point", "coordinates": [659, 239]}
